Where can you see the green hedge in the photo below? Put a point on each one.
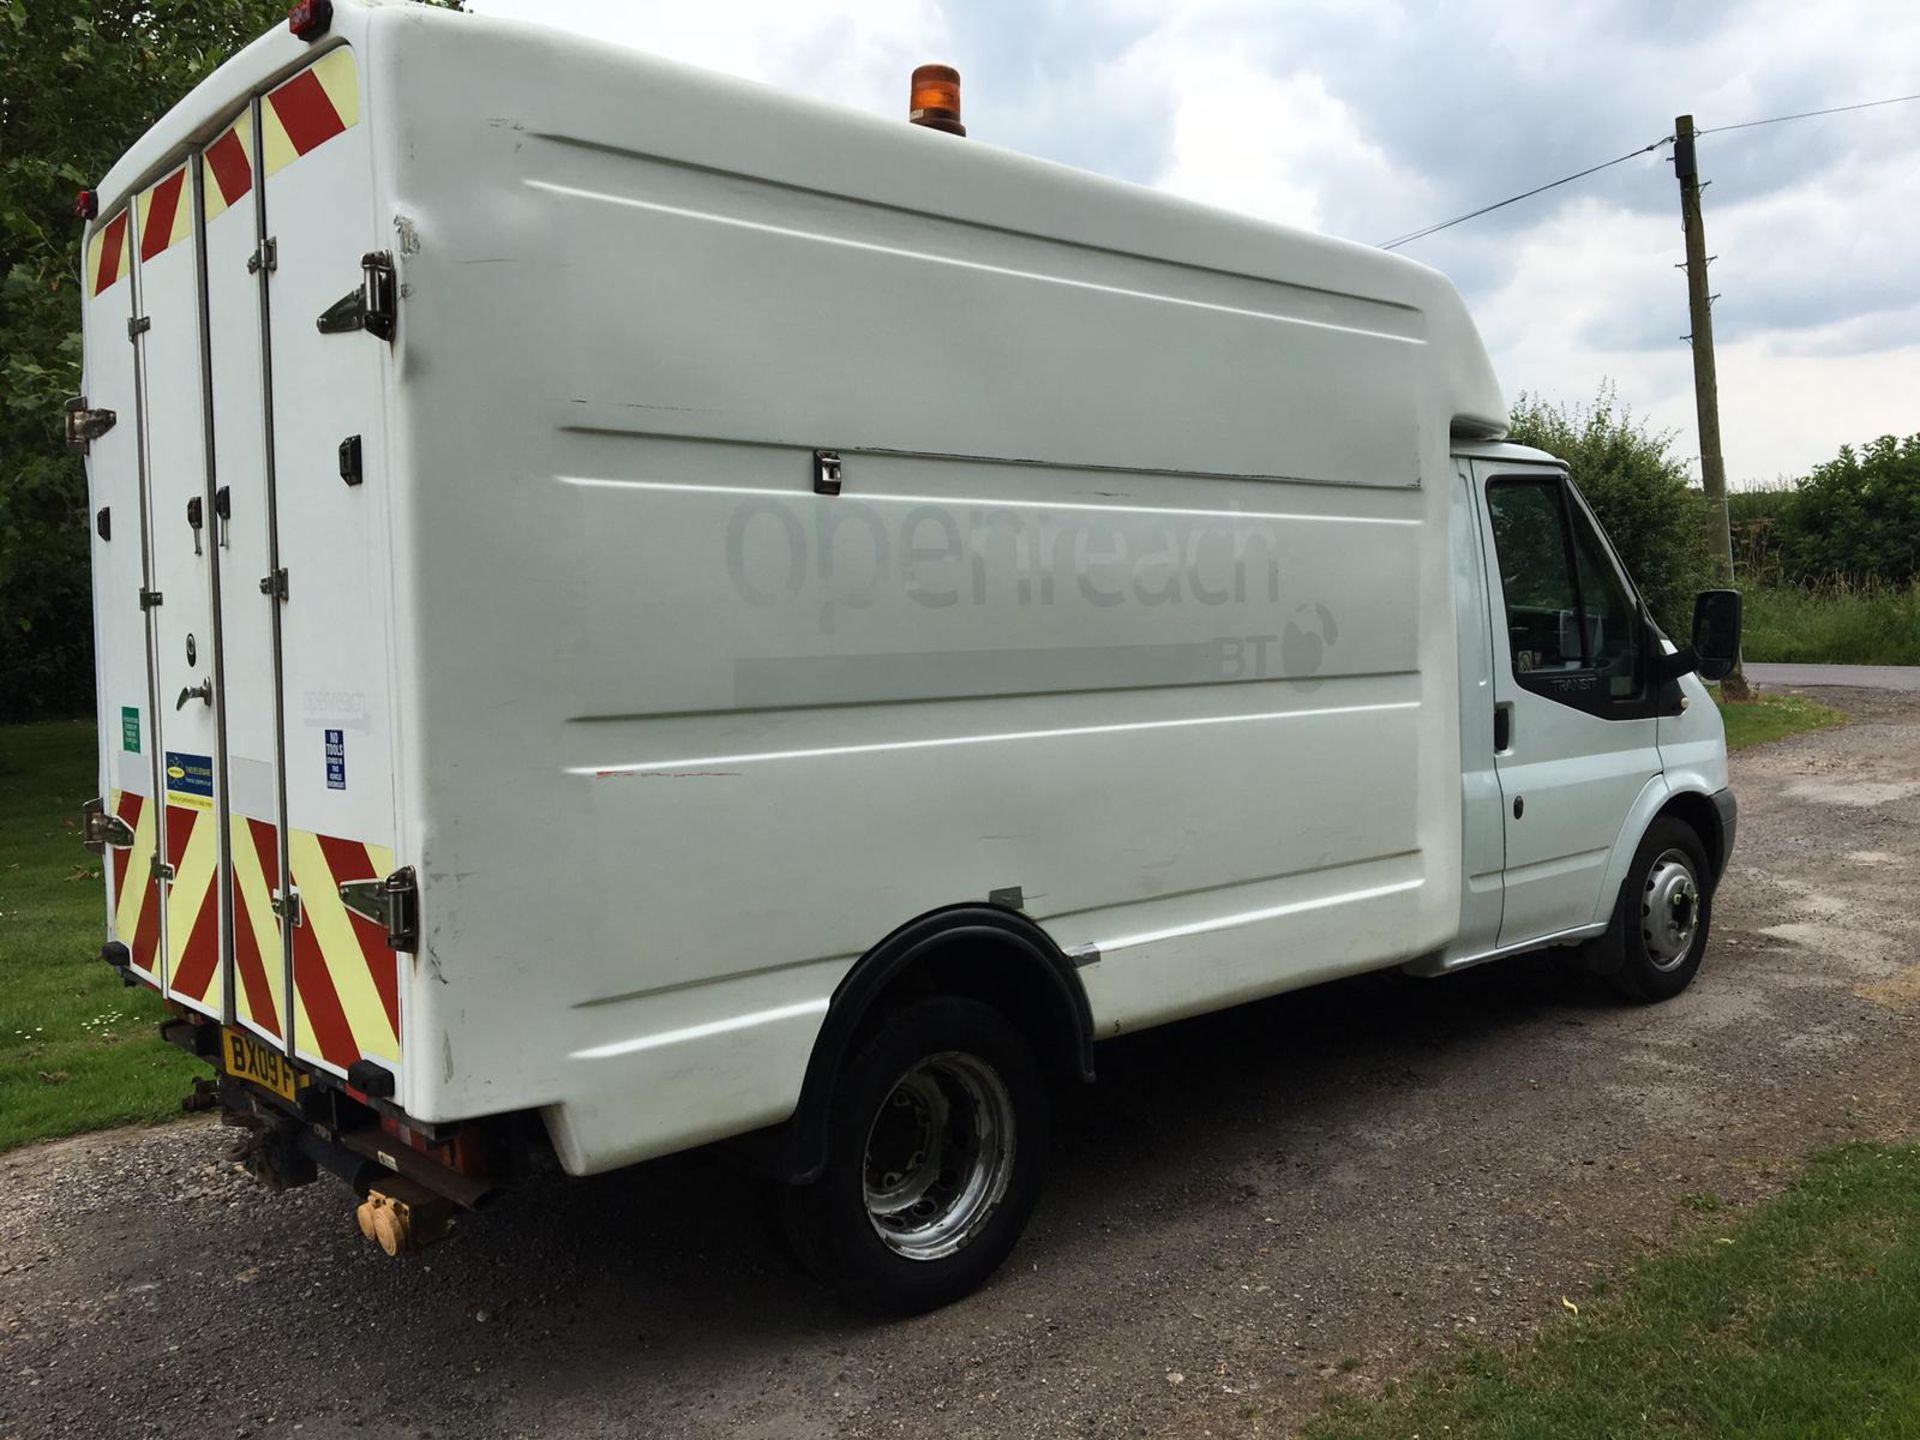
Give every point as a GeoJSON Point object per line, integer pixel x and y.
{"type": "Point", "coordinates": [1638, 489]}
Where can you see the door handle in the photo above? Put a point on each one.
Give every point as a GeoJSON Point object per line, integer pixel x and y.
{"type": "Point", "coordinates": [204, 691]}
{"type": "Point", "coordinates": [1503, 727]}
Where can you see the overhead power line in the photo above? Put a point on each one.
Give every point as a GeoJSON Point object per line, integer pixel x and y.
{"type": "Point", "coordinates": [1421, 234]}
{"type": "Point", "coordinates": [1807, 114]}
{"type": "Point", "coordinates": [1523, 195]}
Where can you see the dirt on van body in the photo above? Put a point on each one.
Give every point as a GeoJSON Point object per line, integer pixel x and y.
{"type": "Point", "coordinates": [1246, 1212]}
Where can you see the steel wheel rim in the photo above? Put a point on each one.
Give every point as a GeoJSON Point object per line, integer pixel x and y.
{"type": "Point", "coordinates": [1670, 910]}
{"type": "Point", "coordinates": [939, 1154]}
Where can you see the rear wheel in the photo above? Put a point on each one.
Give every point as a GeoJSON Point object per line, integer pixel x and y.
{"type": "Point", "coordinates": [1663, 915]}
{"type": "Point", "coordinates": [937, 1142]}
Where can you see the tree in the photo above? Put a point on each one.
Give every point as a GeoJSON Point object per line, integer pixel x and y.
{"type": "Point", "coordinates": [1856, 517]}
{"type": "Point", "coordinates": [82, 80]}
{"type": "Point", "coordinates": [1638, 490]}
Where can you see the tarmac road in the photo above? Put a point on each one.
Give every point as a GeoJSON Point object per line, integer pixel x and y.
{"type": "Point", "coordinates": [1247, 1212]}
{"type": "Point", "coordinates": [1883, 677]}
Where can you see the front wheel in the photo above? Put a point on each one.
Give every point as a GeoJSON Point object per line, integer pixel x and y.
{"type": "Point", "coordinates": [937, 1143]}
{"type": "Point", "coordinates": [1665, 910]}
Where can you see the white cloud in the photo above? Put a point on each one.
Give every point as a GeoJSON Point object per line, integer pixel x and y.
{"type": "Point", "coordinates": [1263, 144]}
{"type": "Point", "coordinates": [856, 52]}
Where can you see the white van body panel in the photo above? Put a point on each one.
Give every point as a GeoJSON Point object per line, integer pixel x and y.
{"type": "Point", "coordinates": [1693, 744]}
{"type": "Point", "coordinates": [1142, 594]}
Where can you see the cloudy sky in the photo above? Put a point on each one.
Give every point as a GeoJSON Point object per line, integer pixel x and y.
{"type": "Point", "coordinates": [1371, 118]}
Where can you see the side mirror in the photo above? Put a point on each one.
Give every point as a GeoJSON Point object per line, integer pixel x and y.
{"type": "Point", "coordinates": [1716, 632]}
{"type": "Point", "coordinates": [1715, 648]}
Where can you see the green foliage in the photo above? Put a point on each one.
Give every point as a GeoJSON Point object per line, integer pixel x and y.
{"type": "Point", "coordinates": [1835, 622]}
{"type": "Point", "coordinates": [1639, 491]}
{"type": "Point", "coordinates": [1795, 1324]}
{"type": "Point", "coordinates": [1753, 522]}
{"type": "Point", "coordinates": [83, 79]}
{"type": "Point", "coordinates": [1765, 718]}
{"type": "Point", "coordinates": [1854, 521]}
{"type": "Point", "coordinates": [77, 1050]}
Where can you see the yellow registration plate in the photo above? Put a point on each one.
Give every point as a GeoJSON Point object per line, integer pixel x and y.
{"type": "Point", "coordinates": [247, 1059]}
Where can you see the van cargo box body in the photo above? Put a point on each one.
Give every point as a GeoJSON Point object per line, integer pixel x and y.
{"type": "Point", "coordinates": [681, 533]}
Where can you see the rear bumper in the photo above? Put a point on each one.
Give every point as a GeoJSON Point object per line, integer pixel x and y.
{"type": "Point", "coordinates": [1728, 809]}
{"type": "Point", "coordinates": [364, 1141]}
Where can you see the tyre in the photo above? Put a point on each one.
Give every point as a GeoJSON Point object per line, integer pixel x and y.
{"type": "Point", "coordinates": [936, 1148]}
{"type": "Point", "coordinates": [1663, 915]}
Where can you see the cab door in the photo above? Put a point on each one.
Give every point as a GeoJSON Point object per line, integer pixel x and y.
{"type": "Point", "coordinates": [1575, 709]}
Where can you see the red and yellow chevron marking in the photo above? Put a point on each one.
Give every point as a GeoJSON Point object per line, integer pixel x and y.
{"type": "Point", "coordinates": [228, 168]}
{"type": "Point", "coordinates": [107, 253]}
{"type": "Point", "coordinates": [193, 908]}
{"type": "Point", "coordinates": [166, 214]}
{"type": "Point", "coordinates": [322, 101]}
{"type": "Point", "coordinates": [136, 906]}
{"type": "Point", "coordinates": [257, 958]}
{"type": "Point", "coordinates": [346, 978]}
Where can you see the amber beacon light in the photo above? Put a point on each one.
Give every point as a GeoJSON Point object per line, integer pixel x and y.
{"type": "Point", "coordinates": [935, 99]}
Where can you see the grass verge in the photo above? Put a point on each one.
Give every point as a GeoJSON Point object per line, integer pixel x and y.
{"type": "Point", "coordinates": [1834, 624]}
{"type": "Point", "coordinates": [1796, 1322]}
{"type": "Point", "coordinates": [1772, 717]}
{"type": "Point", "coordinates": [78, 1051]}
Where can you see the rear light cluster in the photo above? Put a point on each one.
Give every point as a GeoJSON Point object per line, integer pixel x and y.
{"type": "Point", "coordinates": [310, 19]}
{"type": "Point", "coordinates": [86, 204]}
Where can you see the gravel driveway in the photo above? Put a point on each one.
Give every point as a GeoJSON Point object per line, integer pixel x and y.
{"type": "Point", "coordinates": [1247, 1212]}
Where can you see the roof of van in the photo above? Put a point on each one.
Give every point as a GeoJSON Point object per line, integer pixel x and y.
{"type": "Point", "coordinates": [813, 144]}
{"type": "Point", "coordinates": [1504, 451]}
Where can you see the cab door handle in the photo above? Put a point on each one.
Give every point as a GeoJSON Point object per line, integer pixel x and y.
{"type": "Point", "coordinates": [1503, 727]}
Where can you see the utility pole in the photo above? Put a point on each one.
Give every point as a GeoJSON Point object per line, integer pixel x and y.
{"type": "Point", "coordinates": [1706, 387]}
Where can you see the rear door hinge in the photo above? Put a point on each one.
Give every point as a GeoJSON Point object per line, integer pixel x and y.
{"type": "Point", "coordinates": [150, 599]}
{"type": "Point", "coordinates": [138, 325]}
{"type": "Point", "coordinates": [392, 903]}
{"type": "Point", "coordinates": [100, 828]}
{"type": "Point", "coordinates": [275, 584]}
{"type": "Point", "coordinates": [266, 256]}
{"type": "Point", "coordinates": [85, 425]}
{"type": "Point", "coordinates": [160, 869]}
{"type": "Point", "coordinates": [286, 904]}
{"type": "Point", "coordinates": [374, 307]}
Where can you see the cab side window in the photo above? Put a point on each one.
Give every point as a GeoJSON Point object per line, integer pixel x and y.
{"type": "Point", "coordinates": [1572, 624]}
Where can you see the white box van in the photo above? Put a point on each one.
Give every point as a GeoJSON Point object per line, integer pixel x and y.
{"type": "Point", "coordinates": [635, 611]}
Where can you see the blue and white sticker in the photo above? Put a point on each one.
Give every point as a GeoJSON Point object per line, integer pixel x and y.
{"type": "Point", "coordinates": [190, 780]}
{"type": "Point", "coordinates": [336, 759]}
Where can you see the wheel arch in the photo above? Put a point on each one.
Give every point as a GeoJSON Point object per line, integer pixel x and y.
{"type": "Point", "coordinates": [1693, 806]}
{"type": "Point", "coordinates": [1702, 816]}
{"type": "Point", "coordinates": [989, 952]}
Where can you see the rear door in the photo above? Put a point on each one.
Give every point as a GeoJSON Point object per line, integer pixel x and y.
{"type": "Point", "coordinates": [170, 357]}
{"type": "Point", "coordinates": [243, 596]}
{"type": "Point", "coordinates": [331, 492]}
{"type": "Point", "coordinates": [1571, 673]}
{"type": "Point", "coordinates": [244, 537]}
{"type": "Point", "coordinates": [129, 741]}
